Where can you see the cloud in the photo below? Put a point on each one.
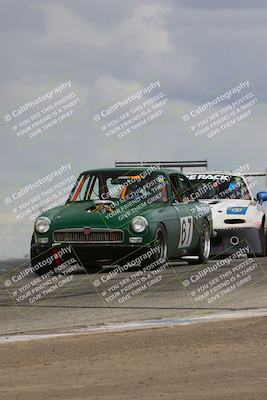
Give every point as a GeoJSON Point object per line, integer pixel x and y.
{"type": "Point", "coordinates": [145, 30]}
{"type": "Point", "coordinates": [64, 28]}
{"type": "Point", "coordinates": [221, 4]}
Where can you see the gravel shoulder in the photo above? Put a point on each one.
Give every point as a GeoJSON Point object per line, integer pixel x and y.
{"type": "Point", "coordinates": [218, 360]}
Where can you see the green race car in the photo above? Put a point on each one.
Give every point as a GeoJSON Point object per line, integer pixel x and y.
{"type": "Point", "coordinates": [117, 215]}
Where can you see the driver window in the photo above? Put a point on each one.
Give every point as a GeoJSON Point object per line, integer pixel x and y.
{"type": "Point", "coordinates": [113, 189]}
{"type": "Point", "coordinates": [175, 188]}
{"type": "Point", "coordinates": [186, 191]}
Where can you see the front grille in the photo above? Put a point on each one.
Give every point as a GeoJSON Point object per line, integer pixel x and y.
{"type": "Point", "coordinates": [94, 236]}
{"type": "Point", "coordinates": [234, 221]}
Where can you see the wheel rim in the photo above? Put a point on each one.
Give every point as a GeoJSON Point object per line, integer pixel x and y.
{"type": "Point", "coordinates": [205, 243]}
{"type": "Point", "coordinates": [161, 242]}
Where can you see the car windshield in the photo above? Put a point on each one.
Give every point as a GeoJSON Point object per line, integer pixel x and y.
{"type": "Point", "coordinates": [223, 187]}
{"type": "Point", "coordinates": [117, 186]}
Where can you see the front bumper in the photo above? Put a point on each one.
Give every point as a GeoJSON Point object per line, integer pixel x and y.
{"type": "Point", "coordinates": [88, 254]}
{"type": "Point", "coordinates": [228, 241]}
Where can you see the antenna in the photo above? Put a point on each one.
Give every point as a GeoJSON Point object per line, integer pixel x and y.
{"type": "Point", "coordinates": [141, 149]}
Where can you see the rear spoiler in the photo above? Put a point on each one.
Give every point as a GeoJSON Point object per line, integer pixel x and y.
{"type": "Point", "coordinates": [165, 164]}
{"type": "Point", "coordinates": [260, 174]}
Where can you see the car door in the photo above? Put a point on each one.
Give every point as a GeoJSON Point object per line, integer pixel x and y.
{"type": "Point", "coordinates": [165, 212]}
{"type": "Point", "coordinates": [187, 213]}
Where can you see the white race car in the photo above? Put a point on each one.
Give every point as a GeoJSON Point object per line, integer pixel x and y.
{"type": "Point", "coordinates": [239, 220]}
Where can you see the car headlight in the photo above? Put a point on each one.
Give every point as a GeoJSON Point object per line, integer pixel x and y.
{"type": "Point", "coordinates": [42, 224]}
{"type": "Point", "coordinates": [139, 224]}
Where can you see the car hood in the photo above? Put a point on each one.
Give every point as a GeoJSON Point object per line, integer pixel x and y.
{"type": "Point", "coordinates": [76, 215]}
{"type": "Point", "coordinates": [222, 205]}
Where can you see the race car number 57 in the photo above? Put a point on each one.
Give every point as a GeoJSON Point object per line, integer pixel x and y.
{"type": "Point", "coordinates": [186, 231]}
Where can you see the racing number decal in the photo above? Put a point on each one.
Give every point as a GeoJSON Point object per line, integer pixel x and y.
{"type": "Point", "coordinates": [186, 231]}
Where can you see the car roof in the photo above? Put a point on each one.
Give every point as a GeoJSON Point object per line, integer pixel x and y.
{"type": "Point", "coordinates": [128, 170]}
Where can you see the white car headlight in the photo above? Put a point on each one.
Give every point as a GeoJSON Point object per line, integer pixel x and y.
{"type": "Point", "coordinates": [42, 224]}
{"type": "Point", "coordinates": [139, 224]}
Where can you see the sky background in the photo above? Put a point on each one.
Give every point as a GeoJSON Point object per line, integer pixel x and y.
{"type": "Point", "coordinates": [110, 49]}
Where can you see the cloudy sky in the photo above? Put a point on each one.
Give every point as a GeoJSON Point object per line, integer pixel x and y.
{"type": "Point", "coordinates": [110, 49]}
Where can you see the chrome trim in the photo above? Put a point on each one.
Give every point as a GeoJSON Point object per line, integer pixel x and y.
{"type": "Point", "coordinates": [37, 219]}
{"type": "Point", "coordinates": [234, 228]}
{"type": "Point", "coordinates": [110, 202]}
{"type": "Point", "coordinates": [81, 230]}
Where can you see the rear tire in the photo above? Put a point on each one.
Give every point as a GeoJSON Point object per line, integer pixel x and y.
{"type": "Point", "coordinates": [203, 247]}
{"type": "Point", "coordinates": [263, 239]}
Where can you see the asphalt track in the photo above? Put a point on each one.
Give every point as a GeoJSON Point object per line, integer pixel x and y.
{"type": "Point", "coordinates": [85, 301]}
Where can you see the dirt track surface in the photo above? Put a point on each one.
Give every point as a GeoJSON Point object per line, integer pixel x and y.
{"type": "Point", "coordinates": [219, 360]}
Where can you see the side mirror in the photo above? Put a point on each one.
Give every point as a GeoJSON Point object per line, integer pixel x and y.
{"type": "Point", "coordinates": [261, 197]}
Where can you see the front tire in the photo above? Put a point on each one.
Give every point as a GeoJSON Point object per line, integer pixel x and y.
{"type": "Point", "coordinates": [36, 258]}
{"type": "Point", "coordinates": [160, 249]}
{"type": "Point", "coordinates": [203, 247]}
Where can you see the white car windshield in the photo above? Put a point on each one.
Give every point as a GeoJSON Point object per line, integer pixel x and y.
{"type": "Point", "coordinates": [228, 187]}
